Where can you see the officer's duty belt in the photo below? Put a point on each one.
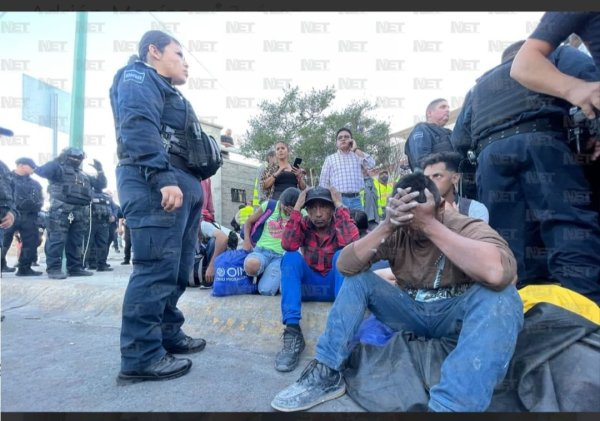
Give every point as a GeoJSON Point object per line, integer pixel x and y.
{"type": "Point", "coordinates": [540, 125]}
{"type": "Point", "coordinates": [174, 160]}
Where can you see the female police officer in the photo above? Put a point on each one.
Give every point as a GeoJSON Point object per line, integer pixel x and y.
{"type": "Point", "coordinates": [161, 200]}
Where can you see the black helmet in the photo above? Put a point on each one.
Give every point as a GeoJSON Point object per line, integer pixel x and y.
{"type": "Point", "coordinates": [72, 152]}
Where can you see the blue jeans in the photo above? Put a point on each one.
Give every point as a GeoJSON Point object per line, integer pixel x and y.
{"type": "Point", "coordinates": [486, 323]}
{"type": "Point", "coordinates": [270, 269]}
{"type": "Point", "coordinates": [164, 245]}
{"type": "Point", "coordinates": [353, 203]}
{"type": "Point", "coordinates": [299, 282]}
{"type": "Point", "coordinates": [539, 201]}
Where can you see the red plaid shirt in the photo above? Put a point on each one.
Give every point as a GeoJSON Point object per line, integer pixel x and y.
{"type": "Point", "coordinates": [318, 249]}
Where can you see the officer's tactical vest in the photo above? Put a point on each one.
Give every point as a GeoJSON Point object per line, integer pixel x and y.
{"type": "Point", "coordinates": [500, 102]}
{"type": "Point", "coordinates": [74, 187]}
{"type": "Point", "coordinates": [101, 209]}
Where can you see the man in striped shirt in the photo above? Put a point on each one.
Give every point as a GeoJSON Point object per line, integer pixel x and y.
{"type": "Point", "coordinates": [343, 169]}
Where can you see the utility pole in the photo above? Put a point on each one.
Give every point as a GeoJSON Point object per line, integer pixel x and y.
{"type": "Point", "coordinates": [78, 89]}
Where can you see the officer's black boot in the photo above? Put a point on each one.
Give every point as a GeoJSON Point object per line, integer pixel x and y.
{"type": "Point", "coordinates": [80, 272]}
{"type": "Point", "coordinates": [27, 271]}
{"type": "Point", "coordinates": [5, 268]}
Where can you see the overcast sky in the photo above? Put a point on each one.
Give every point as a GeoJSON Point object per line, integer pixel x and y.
{"type": "Point", "coordinates": [399, 61]}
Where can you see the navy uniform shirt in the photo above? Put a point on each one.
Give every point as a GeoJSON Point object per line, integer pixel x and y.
{"type": "Point", "coordinates": [142, 101]}
{"type": "Point", "coordinates": [567, 59]}
{"type": "Point", "coordinates": [555, 27]}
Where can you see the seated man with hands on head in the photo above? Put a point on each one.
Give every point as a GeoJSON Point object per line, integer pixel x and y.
{"type": "Point", "coordinates": [312, 275]}
{"type": "Point", "coordinates": [455, 278]}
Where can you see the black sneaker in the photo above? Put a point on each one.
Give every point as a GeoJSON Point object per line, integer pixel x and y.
{"type": "Point", "coordinates": [293, 345]}
{"type": "Point", "coordinates": [7, 269]}
{"type": "Point", "coordinates": [104, 269]}
{"type": "Point", "coordinates": [125, 262]}
{"type": "Point", "coordinates": [56, 274]}
{"type": "Point", "coordinates": [27, 272]}
{"type": "Point", "coordinates": [317, 384]}
{"type": "Point", "coordinates": [205, 285]}
{"type": "Point", "coordinates": [80, 272]}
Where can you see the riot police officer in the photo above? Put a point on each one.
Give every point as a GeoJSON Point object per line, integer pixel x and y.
{"type": "Point", "coordinates": [29, 201]}
{"type": "Point", "coordinates": [70, 192]}
{"type": "Point", "coordinates": [527, 176]}
{"type": "Point", "coordinates": [8, 210]}
{"type": "Point", "coordinates": [158, 135]}
{"type": "Point", "coordinates": [97, 245]}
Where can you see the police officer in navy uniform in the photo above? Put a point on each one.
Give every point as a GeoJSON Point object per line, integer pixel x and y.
{"type": "Point", "coordinates": [534, 189]}
{"type": "Point", "coordinates": [430, 136]}
{"type": "Point", "coordinates": [531, 68]}
{"type": "Point", "coordinates": [8, 209]}
{"type": "Point", "coordinates": [97, 245]}
{"type": "Point", "coordinates": [161, 199]}
{"type": "Point", "coordinates": [29, 201]}
{"type": "Point", "coordinates": [70, 192]}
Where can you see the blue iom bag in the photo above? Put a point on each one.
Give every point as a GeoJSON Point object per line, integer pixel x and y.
{"type": "Point", "coordinates": [230, 277]}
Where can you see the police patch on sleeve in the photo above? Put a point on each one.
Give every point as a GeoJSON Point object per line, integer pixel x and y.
{"type": "Point", "coordinates": [133, 76]}
{"type": "Point", "coordinates": [418, 135]}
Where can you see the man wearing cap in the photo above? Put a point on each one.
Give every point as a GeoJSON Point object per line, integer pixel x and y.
{"type": "Point", "coordinates": [343, 169]}
{"type": "Point", "coordinates": [312, 275]}
{"type": "Point", "coordinates": [28, 201]}
{"type": "Point", "coordinates": [454, 278]}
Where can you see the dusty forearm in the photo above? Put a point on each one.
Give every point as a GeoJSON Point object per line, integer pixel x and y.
{"type": "Point", "coordinates": [356, 256]}
{"type": "Point", "coordinates": [480, 260]}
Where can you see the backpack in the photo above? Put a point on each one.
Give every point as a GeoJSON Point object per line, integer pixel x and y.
{"type": "Point", "coordinates": [203, 152]}
{"type": "Point", "coordinates": [201, 260]}
{"type": "Point", "coordinates": [259, 225]}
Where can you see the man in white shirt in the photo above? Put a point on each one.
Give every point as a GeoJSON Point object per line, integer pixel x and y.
{"type": "Point", "coordinates": [343, 169]}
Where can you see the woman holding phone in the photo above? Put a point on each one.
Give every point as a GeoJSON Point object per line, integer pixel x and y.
{"type": "Point", "coordinates": [281, 175]}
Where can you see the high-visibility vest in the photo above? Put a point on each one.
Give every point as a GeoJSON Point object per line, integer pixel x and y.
{"type": "Point", "coordinates": [383, 191]}
{"type": "Point", "coordinates": [245, 213]}
{"type": "Point", "coordinates": [255, 194]}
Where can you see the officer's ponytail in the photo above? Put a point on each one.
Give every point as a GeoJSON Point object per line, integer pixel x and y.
{"type": "Point", "coordinates": [157, 38]}
{"type": "Point", "coordinates": [133, 59]}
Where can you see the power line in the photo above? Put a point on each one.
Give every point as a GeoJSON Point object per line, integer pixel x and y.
{"type": "Point", "coordinates": [189, 52]}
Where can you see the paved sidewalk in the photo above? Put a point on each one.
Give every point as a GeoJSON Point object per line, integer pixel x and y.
{"type": "Point", "coordinates": [60, 349]}
{"type": "Point", "coordinates": [233, 319]}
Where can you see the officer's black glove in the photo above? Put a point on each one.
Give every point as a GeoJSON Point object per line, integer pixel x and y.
{"type": "Point", "coordinates": [97, 165]}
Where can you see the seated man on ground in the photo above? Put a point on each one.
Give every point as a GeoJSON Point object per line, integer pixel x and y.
{"type": "Point", "coordinates": [312, 275]}
{"type": "Point", "coordinates": [455, 278]}
{"type": "Point", "coordinates": [215, 238]}
{"type": "Point", "coordinates": [442, 169]}
{"type": "Point", "coordinates": [265, 259]}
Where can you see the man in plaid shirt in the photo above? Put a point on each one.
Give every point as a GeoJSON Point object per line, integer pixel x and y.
{"type": "Point", "coordinates": [312, 275]}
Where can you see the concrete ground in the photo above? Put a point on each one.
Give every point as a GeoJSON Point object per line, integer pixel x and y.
{"type": "Point", "coordinates": [60, 349]}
